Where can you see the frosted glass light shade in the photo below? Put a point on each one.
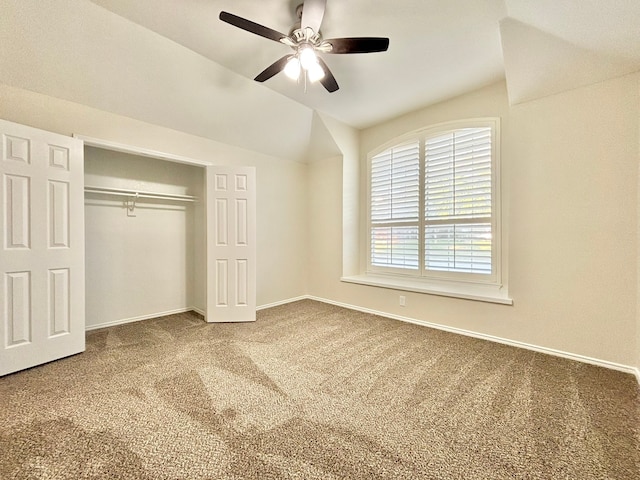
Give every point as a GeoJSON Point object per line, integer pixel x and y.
{"type": "Point", "coordinates": [307, 57]}
{"type": "Point", "coordinates": [315, 72]}
{"type": "Point", "coordinates": [292, 68]}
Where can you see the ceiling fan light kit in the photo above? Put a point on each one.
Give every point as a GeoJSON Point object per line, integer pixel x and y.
{"type": "Point", "coordinates": [306, 41]}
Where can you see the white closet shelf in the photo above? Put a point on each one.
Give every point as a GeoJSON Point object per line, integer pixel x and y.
{"type": "Point", "coordinates": [139, 194]}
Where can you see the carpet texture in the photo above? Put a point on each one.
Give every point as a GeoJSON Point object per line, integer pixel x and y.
{"type": "Point", "coordinates": [313, 391]}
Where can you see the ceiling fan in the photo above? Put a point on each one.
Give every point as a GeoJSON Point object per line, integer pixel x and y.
{"type": "Point", "coordinates": [306, 41]}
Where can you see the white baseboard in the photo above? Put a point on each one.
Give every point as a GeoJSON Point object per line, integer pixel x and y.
{"type": "Point", "coordinates": [549, 351]}
{"type": "Point", "coordinates": [141, 317]}
{"type": "Point", "coordinates": [179, 310]}
{"type": "Point", "coordinates": [491, 338]}
{"type": "Point", "coordinates": [282, 302]}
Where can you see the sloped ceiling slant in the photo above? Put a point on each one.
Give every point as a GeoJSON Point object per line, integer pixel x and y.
{"type": "Point", "coordinates": [538, 64]}
{"type": "Point", "coordinates": [78, 51]}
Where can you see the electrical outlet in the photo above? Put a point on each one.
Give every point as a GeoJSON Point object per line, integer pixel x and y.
{"type": "Point", "coordinates": [403, 300]}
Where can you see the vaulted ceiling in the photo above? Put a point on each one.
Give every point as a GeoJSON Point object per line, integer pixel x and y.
{"type": "Point", "coordinates": [438, 49]}
{"type": "Point", "coordinates": [174, 63]}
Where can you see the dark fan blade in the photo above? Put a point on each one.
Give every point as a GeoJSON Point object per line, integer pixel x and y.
{"type": "Point", "coordinates": [312, 14]}
{"type": "Point", "coordinates": [252, 27]}
{"type": "Point", "coordinates": [272, 69]}
{"type": "Point", "coordinates": [328, 81]}
{"type": "Point", "coordinates": [358, 45]}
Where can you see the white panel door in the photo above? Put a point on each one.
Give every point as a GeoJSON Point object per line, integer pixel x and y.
{"type": "Point", "coordinates": [42, 250]}
{"type": "Point", "coordinates": [231, 244]}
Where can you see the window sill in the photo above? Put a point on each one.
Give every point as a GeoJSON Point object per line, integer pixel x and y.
{"type": "Point", "coordinates": [467, 291]}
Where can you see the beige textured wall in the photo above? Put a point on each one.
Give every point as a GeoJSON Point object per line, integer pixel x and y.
{"type": "Point", "coordinates": [281, 184]}
{"type": "Point", "coordinates": [570, 165]}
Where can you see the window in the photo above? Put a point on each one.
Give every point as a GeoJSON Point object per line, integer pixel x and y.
{"type": "Point", "coordinates": [434, 205]}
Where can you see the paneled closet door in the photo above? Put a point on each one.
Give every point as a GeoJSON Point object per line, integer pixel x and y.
{"type": "Point", "coordinates": [42, 251]}
{"type": "Point", "coordinates": [231, 244]}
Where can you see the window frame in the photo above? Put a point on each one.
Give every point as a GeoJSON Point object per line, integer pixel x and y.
{"type": "Point", "coordinates": [424, 276]}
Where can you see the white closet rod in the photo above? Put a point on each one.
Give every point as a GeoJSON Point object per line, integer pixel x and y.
{"type": "Point", "coordinates": [139, 194]}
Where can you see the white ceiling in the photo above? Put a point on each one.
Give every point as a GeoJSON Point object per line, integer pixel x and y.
{"type": "Point", "coordinates": [438, 49]}
{"type": "Point", "coordinates": [174, 63]}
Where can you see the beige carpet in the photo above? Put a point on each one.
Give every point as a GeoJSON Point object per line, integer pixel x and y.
{"type": "Point", "coordinates": [312, 391]}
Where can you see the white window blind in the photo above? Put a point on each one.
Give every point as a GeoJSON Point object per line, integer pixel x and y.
{"type": "Point", "coordinates": [458, 199]}
{"type": "Point", "coordinates": [395, 207]}
{"type": "Point", "coordinates": [431, 202]}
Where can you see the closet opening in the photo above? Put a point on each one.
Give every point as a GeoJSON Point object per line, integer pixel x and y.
{"type": "Point", "coordinates": [145, 237]}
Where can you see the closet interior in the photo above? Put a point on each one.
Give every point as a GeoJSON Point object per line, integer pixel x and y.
{"type": "Point", "coordinates": [144, 237]}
